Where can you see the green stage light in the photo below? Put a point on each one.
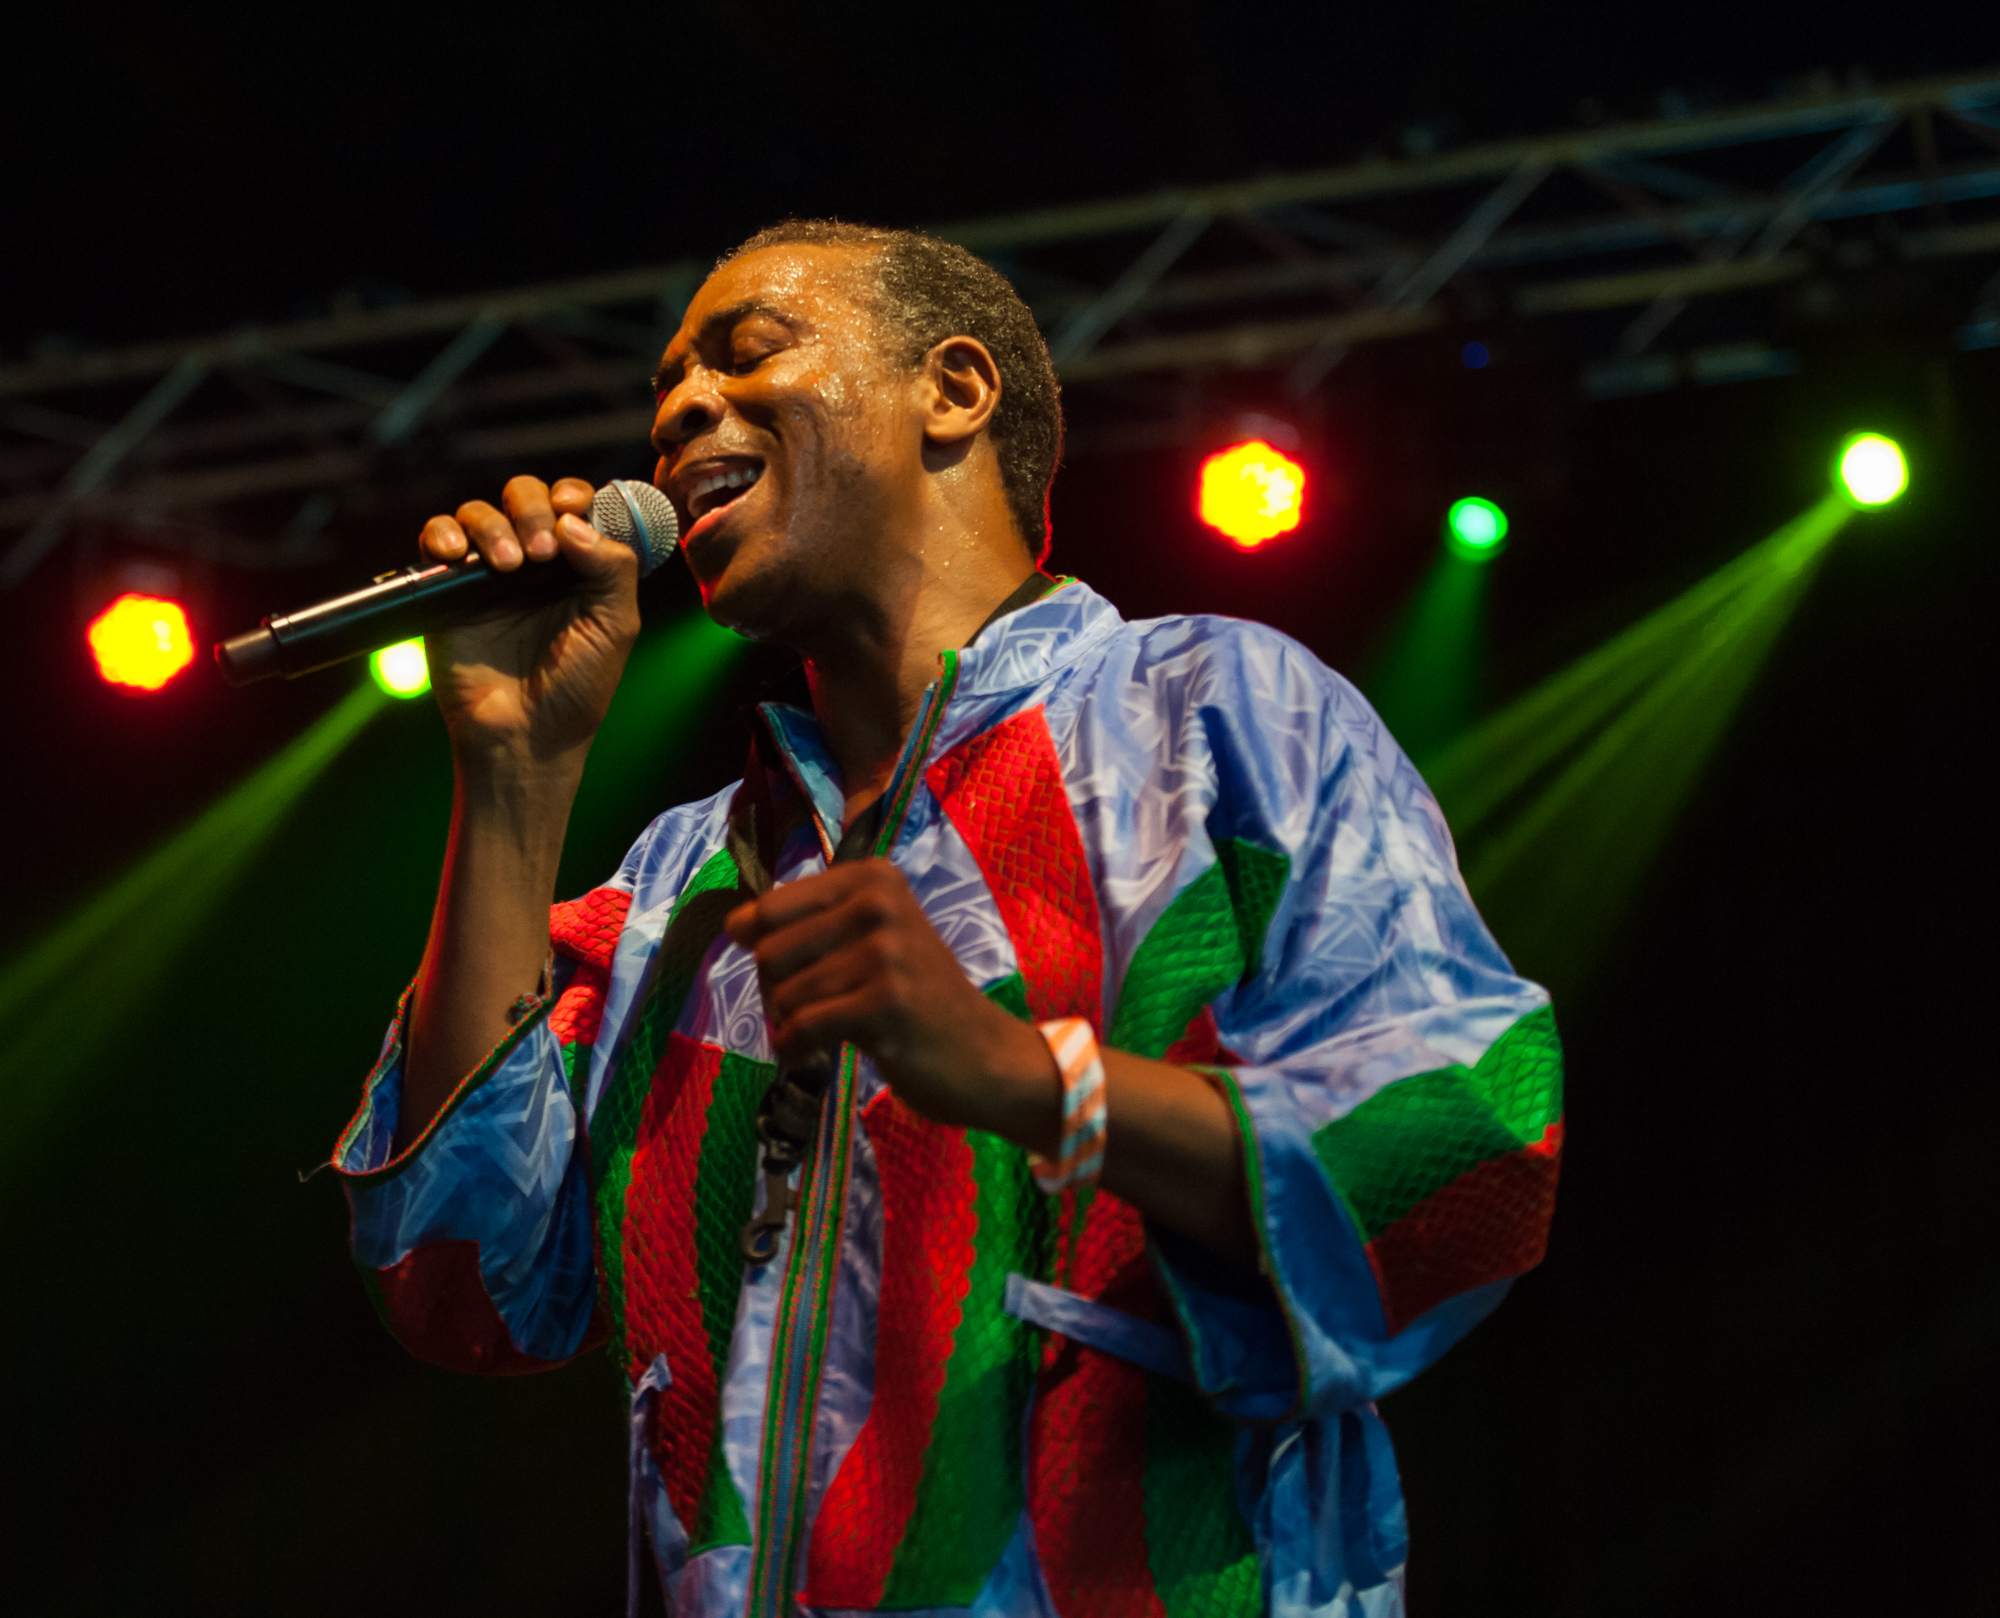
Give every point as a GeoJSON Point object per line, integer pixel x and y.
{"type": "Point", "coordinates": [1475, 529]}
{"type": "Point", "coordinates": [401, 669]}
{"type": "Point", "coordinates": [1872, 470]}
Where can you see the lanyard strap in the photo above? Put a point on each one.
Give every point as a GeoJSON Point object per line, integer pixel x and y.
{"type": "Point", "coordinates": [788, 1114]}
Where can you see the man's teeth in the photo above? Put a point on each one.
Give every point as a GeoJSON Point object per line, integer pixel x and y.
{"type": "Point", "coordinates": [735, 477]}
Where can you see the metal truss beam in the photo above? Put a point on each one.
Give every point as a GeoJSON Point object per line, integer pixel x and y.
{"type": "Point", "coordinates": [1676, 209]}
{"type": "Point", "coordinates": [1464, 242]}
{"type": "Point", "coordinates": [1967, 95]}
{"type": "Point", "coordinates": [94, 470]}
{"type": "Point", "coordinates": [1817, 179]}
{"type": "Point", "coordinates": [361, 329]}
{"type": "Point", "coordinates": [1078, 335]}
{"type": "Point", "coordinates": [1973, 98]}
{"type": "Point", "coordinates": [403, 412]}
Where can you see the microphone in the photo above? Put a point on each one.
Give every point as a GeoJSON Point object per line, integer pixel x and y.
{"type": "Point", "coordinates": [402, 605]}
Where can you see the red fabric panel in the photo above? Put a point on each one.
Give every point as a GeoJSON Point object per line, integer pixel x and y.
{"type": "Point", "coordinates": [1201, 1045]}
{"type": "Point", "coordinates": [662, 1294]}
{"type": "Point", "coordinates": [1111, 1257]}
{"type": "Point", "coordinates": [929, 1219]}
{"type": "Point", "coordinates": [1004, 792]}
{"type": "Point", "coordinates": [1489, 1223]}
{"type": "Point", "coordinates": [586, 931]}
{"type": "Point", "coordinates": [1087, 1439]}
{"type": "Point", "coordinates": [439, 1309]}
{"type": "Point", "coordinates": [578, 1010]}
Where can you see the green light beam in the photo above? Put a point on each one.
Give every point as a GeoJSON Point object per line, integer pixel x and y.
{"type": "Point", "coordinates": [64, 994]}
{"type": "Point", "coordinates": [1426, 683]}
{"type": "Point", "coordinates": [1489, 766]}
{"type": "Point", "coordinates": [1561, 801]}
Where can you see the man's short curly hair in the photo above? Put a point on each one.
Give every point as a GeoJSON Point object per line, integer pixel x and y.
{"type": "Point", "coordinates": [927, 290]}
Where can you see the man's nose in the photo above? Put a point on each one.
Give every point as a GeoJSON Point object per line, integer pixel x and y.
{"type": "Point", "coordinates": [690, 409]}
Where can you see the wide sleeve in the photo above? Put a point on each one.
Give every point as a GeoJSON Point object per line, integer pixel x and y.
{"type": "Point", "coordinates": [475, 1241]}
{"type": "Point", "coordinates": [1396, 1085]}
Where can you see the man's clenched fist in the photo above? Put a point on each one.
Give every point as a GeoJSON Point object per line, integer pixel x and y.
{"type": "Point", "coordinates": [850, 955]}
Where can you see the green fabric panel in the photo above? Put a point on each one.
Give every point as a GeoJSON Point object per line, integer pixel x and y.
{"type": "Point", "coordinates": [971, 1495]}
{"type": "Point", "coordinates": [1421, 1133]}
{"type": "Point", "coordinates": [1209, 938]}
{"type": "Point", "coordinates": [1522, 1074]}
{"type": "Point", "coordinates": [1193, 952]}
{"type": "Point", "coordinates": [725, 1190]}
{"type": "Point", "coordinates": [720, 1519]}
{"type": "Point", "coordinates": [1010, 994]}
{"type": "Point", "coordinates": [1256, 878]}
{"type": "Point", "coordinates": [614, 1128]}
{"type": "Point", "coordinates": [1408, 1141]}
{"type": "Point", "coordinates": [1199, 1549]}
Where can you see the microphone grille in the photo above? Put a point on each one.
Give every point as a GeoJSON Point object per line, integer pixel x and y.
{"type": "Point", "coordinates": [639, 515]}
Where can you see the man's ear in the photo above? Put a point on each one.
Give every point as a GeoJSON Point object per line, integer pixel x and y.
{"type": "Point", "coordinates": [960, 391]}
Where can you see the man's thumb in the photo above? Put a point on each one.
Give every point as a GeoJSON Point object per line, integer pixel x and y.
{"type": "Point", "coordinates": [599, 560]}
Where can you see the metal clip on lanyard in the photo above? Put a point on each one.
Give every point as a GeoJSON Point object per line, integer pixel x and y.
{"type": "Point", "coordinates": [788, 1116]}
{"type": "Point", "coordinates": [787, 1119]}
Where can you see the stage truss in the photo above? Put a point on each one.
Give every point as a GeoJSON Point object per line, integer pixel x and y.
{"type": "Point", "coordinates": [246, 445]}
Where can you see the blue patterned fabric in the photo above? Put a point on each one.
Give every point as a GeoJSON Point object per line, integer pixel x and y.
{"type": "Point", "coordinates": [502, 1171]}
{"type": "Point", "coordinates": [1174, 737]}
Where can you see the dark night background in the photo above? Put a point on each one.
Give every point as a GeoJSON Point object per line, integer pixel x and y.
{"type": "Point", "coordinates": [1756, 1372]}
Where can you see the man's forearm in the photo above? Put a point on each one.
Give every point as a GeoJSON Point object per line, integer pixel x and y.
{"type": "Point", "coordinates": [1171, 1147]}
{"type": "Point", "coordinates": [1172, 1151]}
{"type": "Point", "coordinates": [490, 932]}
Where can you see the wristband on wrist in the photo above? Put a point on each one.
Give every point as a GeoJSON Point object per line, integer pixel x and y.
{"type": "Point", "coordinates": [1080, 1158]}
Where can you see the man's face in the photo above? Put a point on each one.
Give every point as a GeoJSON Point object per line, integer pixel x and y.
{"type": "Point", "coordinates": [788, 442]}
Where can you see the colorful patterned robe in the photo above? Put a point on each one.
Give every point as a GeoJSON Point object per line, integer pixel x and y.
{"type": "Point", "coordinates": [1188, 831]}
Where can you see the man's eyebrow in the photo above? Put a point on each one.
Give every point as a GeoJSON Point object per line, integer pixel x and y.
{"type": "Point", "coordinates": [668, 372]}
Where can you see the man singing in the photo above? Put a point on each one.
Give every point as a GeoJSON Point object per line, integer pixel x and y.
{"type": "Point", "coordinates": [1012, 1138]}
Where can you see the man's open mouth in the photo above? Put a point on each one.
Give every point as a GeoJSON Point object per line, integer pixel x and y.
{"type": "Point", "coordinates": [717, 487]}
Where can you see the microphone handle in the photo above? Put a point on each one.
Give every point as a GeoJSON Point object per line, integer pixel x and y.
{"type": "Point", "coordinates": [397, 607]}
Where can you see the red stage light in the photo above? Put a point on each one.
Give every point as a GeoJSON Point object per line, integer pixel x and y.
{"type": "Point", "coordinates": [141, 641]}
{"type": "Point", "coordinates": [1251, 492]}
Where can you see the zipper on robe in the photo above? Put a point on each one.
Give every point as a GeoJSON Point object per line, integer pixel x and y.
{"type": "Point", "coordinates": [798, 1348]}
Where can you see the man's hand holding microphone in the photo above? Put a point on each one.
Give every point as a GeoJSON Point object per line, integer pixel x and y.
{"type": "Point", "coordinates": [522, 693]}
{"type": "Point", "coordinates": [535, 683]}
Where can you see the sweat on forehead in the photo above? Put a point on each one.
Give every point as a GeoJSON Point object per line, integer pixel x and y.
{"type": "Point", "coordinates": [804, 290]}
{"type": "Point", "coordinates": [803, 269]}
